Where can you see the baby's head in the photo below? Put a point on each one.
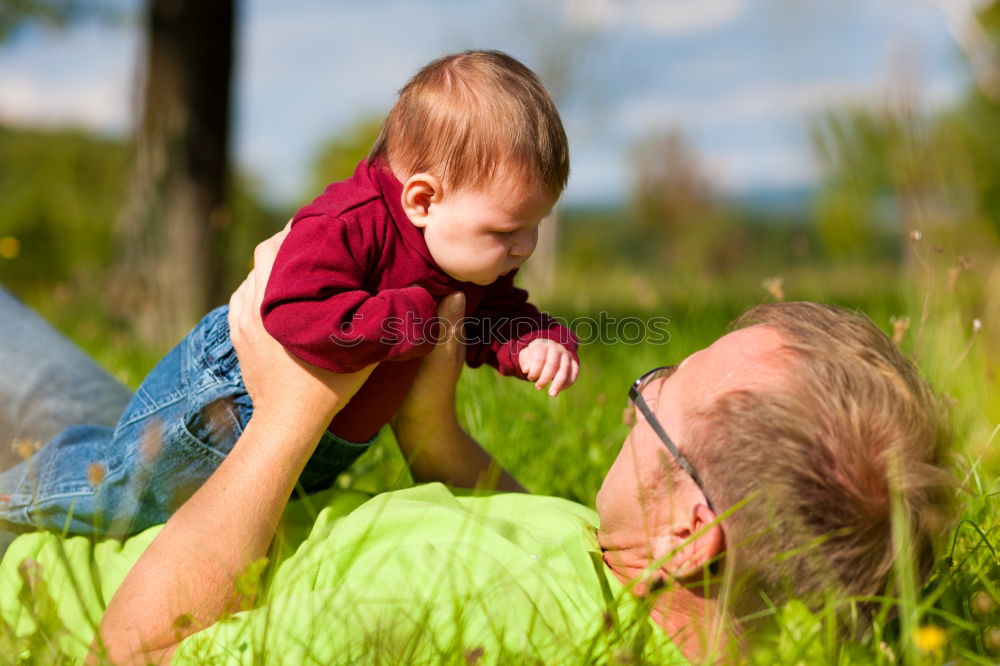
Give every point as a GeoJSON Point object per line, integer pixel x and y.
{"type": "Point", "coordinates": [482, 155]}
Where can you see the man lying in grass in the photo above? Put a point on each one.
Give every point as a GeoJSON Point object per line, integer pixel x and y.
{"type": "Point", "coordinates": [796, 457]}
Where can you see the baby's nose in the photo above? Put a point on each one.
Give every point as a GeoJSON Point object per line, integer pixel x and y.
{"type": "Point", "coordinates": [525, 245]}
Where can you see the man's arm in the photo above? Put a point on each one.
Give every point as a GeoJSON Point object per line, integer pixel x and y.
{"type": "Point", "coordinates": [186, 579]}
{"type": "Point", "coordinates": [427, 427]}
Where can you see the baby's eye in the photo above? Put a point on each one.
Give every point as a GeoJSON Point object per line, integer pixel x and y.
{"type": "Point", "coordinates": [503, 234]}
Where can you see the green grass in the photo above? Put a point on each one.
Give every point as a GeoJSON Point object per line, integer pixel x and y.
{"type": "Point", "coordinates": [563, 446]}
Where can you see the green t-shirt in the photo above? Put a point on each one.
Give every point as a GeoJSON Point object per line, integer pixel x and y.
{"type": "Point", "coordinates": [412, 576]}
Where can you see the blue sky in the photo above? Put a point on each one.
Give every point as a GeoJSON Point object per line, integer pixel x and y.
{"type": "Point", "coordinates": [741, 78]}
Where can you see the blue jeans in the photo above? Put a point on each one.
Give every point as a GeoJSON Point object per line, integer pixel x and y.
{"type": "Point", "coordinates": [174, 432]}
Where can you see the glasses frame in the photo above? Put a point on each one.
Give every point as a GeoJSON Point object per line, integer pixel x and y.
{"type": "Point", "coordinates": [635, 399]}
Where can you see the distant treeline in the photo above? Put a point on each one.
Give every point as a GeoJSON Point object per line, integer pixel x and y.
{"type": "Point", "coordinates": [61, 193]}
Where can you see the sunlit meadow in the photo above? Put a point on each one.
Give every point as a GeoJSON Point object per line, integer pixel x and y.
{"type": "Point", "coordinates": [563, 446]}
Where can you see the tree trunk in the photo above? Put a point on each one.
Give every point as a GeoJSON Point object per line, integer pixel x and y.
{"type": "Point", "coordinates": [169, 274]}
{"type": "Point", "coordinates": [540, 270]}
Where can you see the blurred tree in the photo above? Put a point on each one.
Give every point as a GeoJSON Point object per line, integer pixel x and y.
{"type": "Point", "coordinates": [669, 186]}
{"type": "Point", "coordinates": [880, 172]}
{"type": "Point", "coordinates": [171, 226]}
{"type": "Point", "coordinates": [677, 210]}
{"type": "Point", "coordinates": [900, 166]}
{"type": "Point", "coordinates": [252, 219]}
{"type": "Point", "coordinates": [176, 208]}
{"type": "Point", "coordinates": [15, 14]}
{"type": "Point", "coordinates": [58, 211]}
{"type": "Point", "coordinates": [57, 232]}
{"type": "Point", "coordinates": [850, 146]}
{"type": "Point", "coordinates": [336, 157]}
{"type": "Point", "coordinates": [975, 123]}
{"type": "Point", "coordinates": [977, 174]}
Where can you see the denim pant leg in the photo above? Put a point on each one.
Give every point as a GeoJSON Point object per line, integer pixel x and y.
{"type": "Point", "coordinates": [47, 383]}
{"type": "Point", "coordinates": [196, 433]}
{"type": "Point", "coordinates": [332, 456]}
{"type": "Point", "coordinates": [179, 425]}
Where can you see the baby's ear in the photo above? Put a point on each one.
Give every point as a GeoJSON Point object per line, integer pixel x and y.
{"type": "Point", "coordinates": [420, 192]}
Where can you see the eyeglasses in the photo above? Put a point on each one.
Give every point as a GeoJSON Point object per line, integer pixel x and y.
{"type": "Point", "coordinates": [635, 399]}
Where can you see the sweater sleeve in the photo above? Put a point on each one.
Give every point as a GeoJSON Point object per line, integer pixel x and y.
{"type": "Point", "coordinates": [317, 305]}
{"type": "Point", "coordinates": [504, 323]}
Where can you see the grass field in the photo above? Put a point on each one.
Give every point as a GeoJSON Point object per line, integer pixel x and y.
{"type": "Point", "coordinates": [563, 446]}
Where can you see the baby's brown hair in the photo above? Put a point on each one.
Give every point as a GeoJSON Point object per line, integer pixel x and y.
{"type": "Point", "coordinates": [468, 116]}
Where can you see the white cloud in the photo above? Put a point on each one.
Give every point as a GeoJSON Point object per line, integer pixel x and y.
{"type": "Point", "coordinates": [739, 170]}
{"type": "Point", "coordinates": [643, 114]}
{"type": "Point", "coordinates": [98, 104]}
{"type": "Point", "coordinates": [667, 18]}
{"type": "Point", "coordinates": [777, 102]}
{"type": "Point", "coordinates": [787, 100]}
{"type": "Point", "coordinates": [83, 77]}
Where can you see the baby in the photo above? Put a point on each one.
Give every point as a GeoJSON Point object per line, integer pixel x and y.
{"type": "Point", "coordinates": [470, 159]}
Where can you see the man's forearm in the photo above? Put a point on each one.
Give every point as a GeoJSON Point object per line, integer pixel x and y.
{"type": "Point", "coordinates": [186, 578]}
{"type": "Point", "coordinates": [439, 449]}
{"type": "Point", "coordinates": [426, 426]}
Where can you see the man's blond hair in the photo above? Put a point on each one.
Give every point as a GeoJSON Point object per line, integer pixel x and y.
{"type": "Point", "coordinates": [467, 117]}
{"type": "Point", "coordinates": [852, 442]}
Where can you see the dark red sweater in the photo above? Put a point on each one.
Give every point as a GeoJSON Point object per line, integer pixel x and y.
{"type": "Point", "coordinates": [354, 284]}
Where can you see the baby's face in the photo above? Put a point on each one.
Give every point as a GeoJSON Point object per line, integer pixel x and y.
{"type": "Point", "coordinates": [477, 235]}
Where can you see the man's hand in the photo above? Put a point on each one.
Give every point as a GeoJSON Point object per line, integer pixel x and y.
{"type": "Point", "coordinates": [426, 426]}
{"type": "Point", "coordinates": [285, 390]}
{"type": "Point", "coordinates": [544, 361]}
{"type": "Point", "coordinates": [431, 398]}
{"type": "Point", "coordinates": [257, 351]}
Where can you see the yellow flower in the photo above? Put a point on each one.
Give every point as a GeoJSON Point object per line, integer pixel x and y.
{"type": "Point", "coordinates": [10, 247]}
{"type": "Point", "coordinates": [26, 447]}
{"type": "Point", "coordinates": [930, 638]}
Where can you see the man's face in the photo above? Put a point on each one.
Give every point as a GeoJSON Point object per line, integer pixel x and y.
{"type": "Point", "coordinates": [478, 235]}
{"type": "Point", "coordinates": [645, 495]}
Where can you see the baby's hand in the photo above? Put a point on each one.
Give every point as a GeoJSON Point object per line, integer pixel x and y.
{"type": "Point", "coordinates": [545, 361]}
